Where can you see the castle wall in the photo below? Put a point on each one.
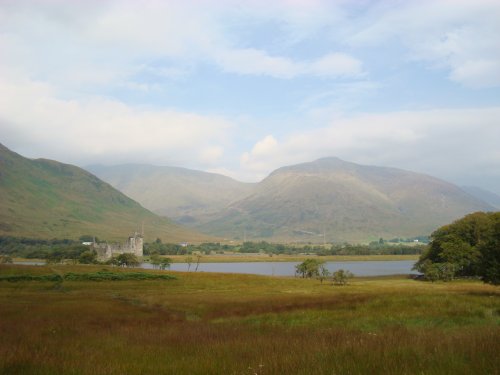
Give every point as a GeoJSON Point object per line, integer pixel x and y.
{"type": "Point", "coordinates": [133, 245]}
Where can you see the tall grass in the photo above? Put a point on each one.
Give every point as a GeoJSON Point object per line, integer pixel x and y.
{"type": "Point", "coordinates": [242, 324]}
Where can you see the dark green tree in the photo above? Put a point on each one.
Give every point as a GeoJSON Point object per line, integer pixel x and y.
{"type": "Point", "coordinates": [127, 260]}
{"type": "Point", "coordinates": [467, 247]}
{"type": "Point", "coordinates": [489, 265]}
{"type": "Point", "coordinates": [88, 257]}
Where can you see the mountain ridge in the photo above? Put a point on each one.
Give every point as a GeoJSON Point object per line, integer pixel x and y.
{"type": "Point", "coordinates": [326, 199]}
{"type": "Point", "coordinates": [183, 194]}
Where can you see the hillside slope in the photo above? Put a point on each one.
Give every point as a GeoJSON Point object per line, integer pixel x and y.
{"type": "Point", "coordinates": [46, 199]}
{"type": "Point", "coordinates": [184, 195]}
{"type": "Point", "coordinates": [486, 196]}
{"type": "Point", "coordinates": [334, 200]}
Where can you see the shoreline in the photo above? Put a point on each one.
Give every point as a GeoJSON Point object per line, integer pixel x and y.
{"type": "Point", "coordinates": [258, 258]}
{"type": "Point", "coordinates": [234, 258]}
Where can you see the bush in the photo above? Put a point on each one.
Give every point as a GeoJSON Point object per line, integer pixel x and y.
{"type": "Point", "coordinates": [93, 276]}
{"type": "Point", "coordinates": [341, 277]}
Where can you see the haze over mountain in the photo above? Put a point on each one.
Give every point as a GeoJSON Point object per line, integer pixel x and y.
{"type": "Point", "coordinates": [344, 202]}
{"type": "Point", "coordinates": [328, 199]}
{"type": "Point", "coordinates": [485, 195]}
{"type": "Point", "coordinates": [46, 199]}
{"type": "Point", "coordinates": [182, 194]}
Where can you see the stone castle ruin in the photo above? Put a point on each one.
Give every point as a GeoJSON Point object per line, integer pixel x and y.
{"type": "Point", "coordinates": [133, 245]}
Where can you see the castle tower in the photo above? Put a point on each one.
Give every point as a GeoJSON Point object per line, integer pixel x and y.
{"type": "Point", "coordinates": [139, 245]}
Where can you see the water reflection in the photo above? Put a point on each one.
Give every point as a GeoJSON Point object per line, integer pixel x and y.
{"type": "Point", "coordinates": [358, 268]}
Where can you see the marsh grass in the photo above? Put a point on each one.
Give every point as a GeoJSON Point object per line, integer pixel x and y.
{"type": "Point", "coordinates": [243, 324]}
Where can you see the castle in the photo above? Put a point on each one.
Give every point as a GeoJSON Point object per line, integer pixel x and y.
{"type": "Point", "coordinates": [133, 245]}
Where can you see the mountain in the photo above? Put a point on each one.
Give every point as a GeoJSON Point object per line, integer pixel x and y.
{"type": "Point", "coordinates": [486, 196]}
{"type": "Point", "coordinates": [187, 196]}
{"type": "Point", "coordinates": [333, 200]}
{"type": "Point", "coordinates": [47, 199]}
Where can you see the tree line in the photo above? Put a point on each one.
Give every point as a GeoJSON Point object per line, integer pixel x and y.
{"type": "Point", "coordinates": [57, 250]}
{"type": "Point", "coordinates": [374, 248]}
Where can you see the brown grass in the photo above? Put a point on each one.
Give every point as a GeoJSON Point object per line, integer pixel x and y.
{"type": "Point", "coordinates": [243, 324]}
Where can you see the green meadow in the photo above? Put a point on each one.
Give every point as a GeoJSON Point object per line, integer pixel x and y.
{"type": "Point", "coordinates": [205, 323]}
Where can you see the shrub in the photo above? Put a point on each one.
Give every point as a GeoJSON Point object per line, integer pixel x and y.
{"type": "Point", "coordinates": [341, 277]}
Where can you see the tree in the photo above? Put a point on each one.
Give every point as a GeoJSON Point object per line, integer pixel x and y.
{"type": "Point", "coordinates": [309, 268]}
{"type": "Point", "coordinates": [155, 259]}
{"type": "Point", "coordinates": [323, 273]}
{"type": "Point", "coordinates": [489, 265]}
{"type": "Point", "coordinates": [341, 277]}
{"type": "Point", "coordinates": [54, 257]}
{"type": "Point", "coordinates": [88, 257]}
{"type": "Point", "coordinates": [198, 257]}
{"type": "Point", "coordinates": [165, 263]}
{"type": "Point", "coordinates": [468, 247]}
{"type": "Point", "coordinates": [438, 271]}
{"type": "Point", "coordinates": [189, 261]}
{"type": "Point", "coordinates": [127, 260]}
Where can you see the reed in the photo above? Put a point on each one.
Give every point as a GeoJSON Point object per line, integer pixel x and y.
{"type": "Point", "coordinates": [243, 324]}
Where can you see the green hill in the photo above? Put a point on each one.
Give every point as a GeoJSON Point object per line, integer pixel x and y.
{"type": "Point", "coordinates": [334, 200]}
{"type": "Point", "coordinates": [47, 199]}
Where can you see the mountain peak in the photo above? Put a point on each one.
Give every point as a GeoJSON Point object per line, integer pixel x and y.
{"type": "Point", "coordinates": [342, 201]}
{"type": "Point", "coordinates": [316, 166]}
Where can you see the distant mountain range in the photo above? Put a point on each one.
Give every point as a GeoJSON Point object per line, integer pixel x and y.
{"type": "Point", "coordinates": [486, 196]}
{"type": "Point", "coordinates": [185, 195]}
{"type": "Point", "coordinates": [47, 199]}
{"type": "Point", "coordinates": [325, 200]}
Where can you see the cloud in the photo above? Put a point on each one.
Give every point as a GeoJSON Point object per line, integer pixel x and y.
{"type": "Point", "coordinates": [257, 62]}
{"type": "Point", "coordinates": [95, 38]}
{"type": "Point", "coordinates": [460, 36]}
{"type": "Point", "coordinates": [336, 64]}
{"type": "Point", "coordinates": [34, 120]}
{"type": "Point", "coordinates": [447, 143]}
{"type": "Point", "coordinates": [75, 77]}
{"type": "Point", "coordinates": [211, 155]}
{"type": "Point", "coordinates": [102, 43]}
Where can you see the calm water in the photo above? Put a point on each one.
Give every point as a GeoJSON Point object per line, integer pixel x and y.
{"type": "Point", "coordinates": [360, 268]}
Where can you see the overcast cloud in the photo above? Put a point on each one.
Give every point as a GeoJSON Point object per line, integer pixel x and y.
{"type": "Point", "coordinates": [248, 86]}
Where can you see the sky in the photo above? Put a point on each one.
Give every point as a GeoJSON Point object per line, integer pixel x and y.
{"type": "Point", "coordinates": [244, 87]}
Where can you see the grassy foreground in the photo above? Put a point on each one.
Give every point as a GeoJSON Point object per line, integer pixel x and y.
{"type": "Point", "coordinates": [204, 323]}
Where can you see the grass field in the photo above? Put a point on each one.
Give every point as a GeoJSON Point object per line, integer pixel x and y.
{"type": "Point", "coordinates": [204, 323]}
